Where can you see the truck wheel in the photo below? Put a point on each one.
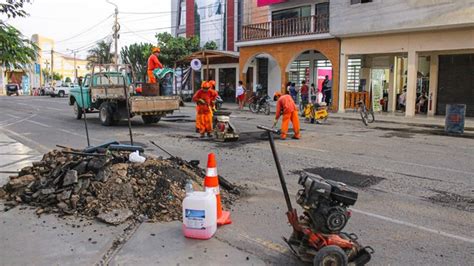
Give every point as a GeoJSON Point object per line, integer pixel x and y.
{"type": "Point", "coordinates": [330, 255]}
{"type": "Point", "coordinates": [77, 111]}
{"type": "Point", "coordinates": [151, 119]}
{"type": "Point", "coordinates": [61, 94]}
{"type": "Point", "coordinates": [105, 114]}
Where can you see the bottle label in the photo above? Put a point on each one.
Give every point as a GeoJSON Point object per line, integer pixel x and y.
{"type": "Point", "coordinates": [195, 219]}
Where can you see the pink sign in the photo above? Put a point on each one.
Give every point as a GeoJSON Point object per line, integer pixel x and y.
{"type": "Point", "coordinates": [269, 2]}
{"type": "Point", "coordinates": [322, 73]}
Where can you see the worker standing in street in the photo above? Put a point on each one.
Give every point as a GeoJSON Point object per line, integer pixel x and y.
{"type": "Point", "coordinates": [153, 63]}
{"type": "Point", "coordinates": [286, 106]}
{"type": "Point", "coordinates": [204, 98]}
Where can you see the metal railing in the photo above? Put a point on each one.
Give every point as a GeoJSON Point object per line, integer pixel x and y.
{"type": "Point", "coordinates": [286, 28]}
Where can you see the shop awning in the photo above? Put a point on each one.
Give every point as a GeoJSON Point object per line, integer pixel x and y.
{"type": "Point", "coordinates": [213, 57]}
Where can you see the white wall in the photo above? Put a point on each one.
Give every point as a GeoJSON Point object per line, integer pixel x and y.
{"type": "Point", "coordinates": [383, 16]}
{"type": "Point", "coordinates": [274, 77]}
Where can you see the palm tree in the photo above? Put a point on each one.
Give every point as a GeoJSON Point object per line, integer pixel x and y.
{"type": "Point", "coordinates": [101, 53]}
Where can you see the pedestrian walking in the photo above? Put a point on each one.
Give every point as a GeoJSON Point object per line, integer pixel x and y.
{"type": "Point", "coordinates": [327, 90]}
{"type": "Point", "coordinates": [240, 94]}
{"type": "Point", "coordinates": [304, 92]}
{"type": "Point", "coordinates": [313, 93]}
{"type": "Point", "coordinates": [293, 92]}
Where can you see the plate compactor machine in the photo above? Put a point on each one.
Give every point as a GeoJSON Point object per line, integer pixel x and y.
{"type": "Point", "coordinates": [224, 130]}
{"type": "Point", "coordinates": [317, 234]}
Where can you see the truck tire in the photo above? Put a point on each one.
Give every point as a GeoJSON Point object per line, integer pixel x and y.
{"type": "Point", "coordinates": [77, 111]}
{"type": "Point", "coordinates": [61, 94]}
{"type": "Point", "coordinates": [106, 114]}
{"type": "Point", "coordinates": [330, 255]}
{"type": "Point", "coordinates": [151, 119]}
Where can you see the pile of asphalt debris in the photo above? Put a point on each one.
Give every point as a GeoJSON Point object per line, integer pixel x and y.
{"type": "Point", "coordinates": [105, 185]}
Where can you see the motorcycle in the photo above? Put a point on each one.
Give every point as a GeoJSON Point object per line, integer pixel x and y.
{"type": "Point", "coordinates": [261, 104]}
{"type": "Point", "coordinates": [219, 102]}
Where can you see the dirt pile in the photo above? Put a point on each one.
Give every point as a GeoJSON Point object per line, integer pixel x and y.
{"type": "Point", "coordinates": [106, 186]}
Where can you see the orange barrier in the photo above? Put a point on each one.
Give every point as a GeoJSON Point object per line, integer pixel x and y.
{"type": "Point", "coordinates": [211, 182]}
{"type": "Point", "coordinates": [352, 97]}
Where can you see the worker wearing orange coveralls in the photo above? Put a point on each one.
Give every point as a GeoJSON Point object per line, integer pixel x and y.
{"type": "Point", "coordinates": [204, 99]}
{"type": "Point", "coordinates": [286, 106]}
{"type": "Point", "coordinates": [153, 63]}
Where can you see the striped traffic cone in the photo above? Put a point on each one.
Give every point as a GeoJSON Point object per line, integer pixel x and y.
{"type": "Point", "coordinates": [211, 182]}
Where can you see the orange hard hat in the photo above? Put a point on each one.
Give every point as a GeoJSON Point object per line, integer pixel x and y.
{"type": "Point", "coordinates": [277, 94]}
{"type": "Point", "coordinates": [155, 50]}
{"type": "Point", "coordinates": [205, 84]}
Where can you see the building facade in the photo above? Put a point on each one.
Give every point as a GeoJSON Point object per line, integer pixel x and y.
{"type": "Point", "coordinates": [423, 47]}
{"type": "Point", "coordinates": [219, 21]}
{"type": "Point", "coordinates": [293, 45]}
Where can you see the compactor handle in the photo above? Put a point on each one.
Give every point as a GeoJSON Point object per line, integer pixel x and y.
{"type": "Point", "coordinates": [272, 130]}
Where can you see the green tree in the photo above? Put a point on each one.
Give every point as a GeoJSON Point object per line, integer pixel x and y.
{"type": "Point", "coordinates": [67, 80]}
{"type": "Point", "coordinates": [16, 51]}
{"type": "Point", "coordinates": [175, 49]}
{"type": "Point", "coordinates": [101, 53]}
{"type": "Point", "coordinates": [137, 56]}
{"type": "Point", "coordinates": [210, 45]}
{"type": "Point", "coordinates": [13, 8]}
{"type": "Point", "coordinates": [57, 76]}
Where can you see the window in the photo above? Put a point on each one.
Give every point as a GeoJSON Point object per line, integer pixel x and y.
{"type": "Point", "coordinates": [299, 71]}
{"type": "Point", "coordinates": [182, 13]}
{"type": "Point", "coordinates": [322, 9]}
{"type": "Point", "coordinates": [353, 74]}
{"type": "Point", "coordinates": [353, 2]}
{"type": "Point", "coordinates": [297, 12]}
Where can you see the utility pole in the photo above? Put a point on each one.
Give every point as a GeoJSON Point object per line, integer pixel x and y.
{"type": "Point", "coordinates": [116, 29]}
{"type": "Point", "coordinates": [52, 63]}
{"type": "Point", "coordinates": [47, 65]}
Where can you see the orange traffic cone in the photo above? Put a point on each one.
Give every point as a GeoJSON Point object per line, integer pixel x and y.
{"type": "Point", "coordinates": [211, 182]}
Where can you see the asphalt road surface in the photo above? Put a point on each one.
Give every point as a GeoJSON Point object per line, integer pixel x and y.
{"type": "Point", "coordinates": [415, 204]}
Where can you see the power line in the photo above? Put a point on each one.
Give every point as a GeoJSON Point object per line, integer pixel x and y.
{"type": "Point", "coordinates": [86, 30]}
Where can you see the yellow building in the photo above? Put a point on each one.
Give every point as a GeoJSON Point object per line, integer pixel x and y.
{"type": "Point", "coordinates": [62, 64]}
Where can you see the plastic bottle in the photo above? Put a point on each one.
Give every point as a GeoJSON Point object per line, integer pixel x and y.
{"type": "Point", "coordinates": [189, 187]}
{"type": "Point", "coordinates": [199, 215]}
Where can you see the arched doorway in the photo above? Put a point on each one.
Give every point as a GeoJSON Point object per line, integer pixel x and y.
{"type": "Point", "coordinates": [312, 68]}
{"type": "Point", "coordinates": [262, 71]}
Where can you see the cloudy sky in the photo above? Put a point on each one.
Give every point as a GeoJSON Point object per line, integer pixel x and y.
{"type": "Point", "coordinates": [77, 24]}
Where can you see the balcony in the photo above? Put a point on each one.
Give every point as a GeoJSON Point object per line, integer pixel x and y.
{"type": "Point", "coordinates": [286, 28]}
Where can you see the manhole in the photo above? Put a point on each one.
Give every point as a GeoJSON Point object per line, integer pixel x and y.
{"type": "Point", "coordinates": [346, 177]}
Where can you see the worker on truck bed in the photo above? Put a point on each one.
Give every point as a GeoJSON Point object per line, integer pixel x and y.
{"type": "Point", "coordinates": [153, 63]}
{"type": "Point", "coordinates": [204, 99]}
{"type": "Point", "coordinates": [287, 106]}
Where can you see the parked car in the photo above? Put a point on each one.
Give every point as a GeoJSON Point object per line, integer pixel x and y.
{"type": "Point", "coordinates": [12, 88]}
{"type": "Point", "coordinates": [61, 91]}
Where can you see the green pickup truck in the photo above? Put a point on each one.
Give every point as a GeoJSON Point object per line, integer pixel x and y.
{"type": "Point", "coordinates": [107, 92]}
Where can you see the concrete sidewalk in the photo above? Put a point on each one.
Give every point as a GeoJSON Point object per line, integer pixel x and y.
{"type": "Point", "coordinates": [13, 157]}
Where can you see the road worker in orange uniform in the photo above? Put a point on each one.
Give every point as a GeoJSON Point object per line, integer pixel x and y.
{"type": "Point", "coordinates": [212, 86]}
{"type": "Point", "coordinates": [153, 63]}
{"type": "Point", "coordinates": [286, 106]}
{"type": "Point", "coordinates": [204, 99]}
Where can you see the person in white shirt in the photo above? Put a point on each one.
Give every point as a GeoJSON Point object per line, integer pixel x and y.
{"type": "Point", "coordinates": [240, 94]}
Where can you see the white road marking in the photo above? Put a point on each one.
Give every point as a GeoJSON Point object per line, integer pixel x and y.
{"type": "Point", "coordinates": [54, 109]}
{"type": "Point", "coordinates": [18, 121]}
{"type": "Point", "coordinates": [427, 229]}
{"type": "Point", "coordinates": [14, 116]}
{"type": "Point", "coordinates": [385, 218]}
{"type": "Point", "coordinates": [38, 123]}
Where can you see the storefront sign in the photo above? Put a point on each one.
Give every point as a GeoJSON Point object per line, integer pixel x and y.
{"type": "Point", "coordinates": [269, 2]}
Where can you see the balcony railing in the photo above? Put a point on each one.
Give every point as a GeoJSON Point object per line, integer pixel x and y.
{"type": "Point", "coordinates": [286, 28]}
